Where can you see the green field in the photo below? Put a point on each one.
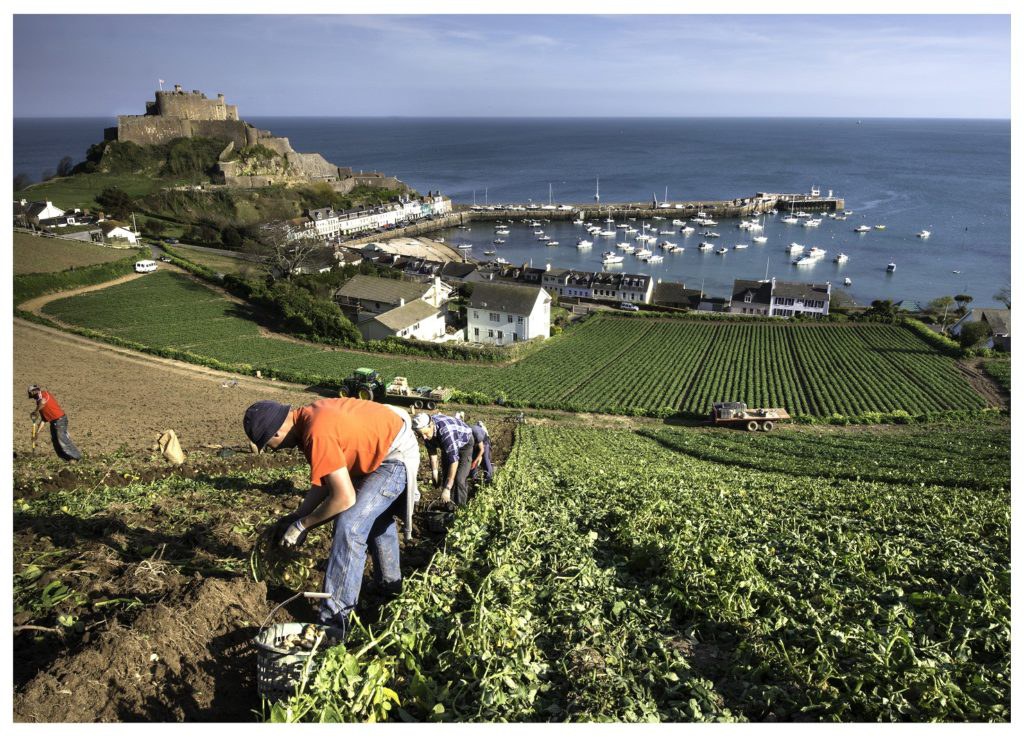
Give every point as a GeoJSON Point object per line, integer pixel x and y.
{"type": "Point", "coordinates": [607, 364]}
{"type": "Point", "coordinates": [606, 576]}
{"type": "Point", "coordinates": [81, 189]}
{"type": "Point", "coordinates": [222, 264]}
{"type": "Point", "coordinates": [34, 254]}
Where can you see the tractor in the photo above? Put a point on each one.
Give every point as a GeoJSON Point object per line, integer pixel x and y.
{"type": "Point", "coordinates": [364, 383]}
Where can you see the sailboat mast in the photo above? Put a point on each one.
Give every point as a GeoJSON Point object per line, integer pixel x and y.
{"type": "Point", "coordinates": [549, 194]}
{"type": "Point", "coordinates": [766, 268]}
{"type": "Point", "coordinates": [597, 192]}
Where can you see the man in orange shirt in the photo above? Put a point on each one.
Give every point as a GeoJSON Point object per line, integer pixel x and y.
{"type": "Point", "coordinates": [363, 458]}
{"type": "Point", "coordinates": [48, 410]}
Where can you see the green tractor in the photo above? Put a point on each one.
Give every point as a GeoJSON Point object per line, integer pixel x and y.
{"type": "Point", "coordinates": [365, 384]}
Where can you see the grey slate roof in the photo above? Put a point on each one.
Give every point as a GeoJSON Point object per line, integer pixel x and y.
{"type": "Point", "coordinates": [504, 297]}
{"type": "Point", "coordinates": [407, 315]}
{"type": "Point", "coordinates": [457, 270]}
{"type": "Point", "coordinates": [998, 320]}
{"type": "Point", "coordinates": [762, 291]}
{"type": "Point", "coordinates": [801, 291]}
{"type": "Point", "coordinates": [674, 293]}
{"type": "Point", "coordinates": [388, 291]}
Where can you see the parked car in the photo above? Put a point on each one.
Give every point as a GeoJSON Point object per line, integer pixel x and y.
{"type": "Point", "coordinates": [172, 241]}
{"type": "Point", "coordinates": [166, 259]}
{"type": "Point", "coordinates": [629, 307]}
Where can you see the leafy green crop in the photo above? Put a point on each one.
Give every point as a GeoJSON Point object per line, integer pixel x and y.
{"type": "Point", "coordinates": [606, 576]}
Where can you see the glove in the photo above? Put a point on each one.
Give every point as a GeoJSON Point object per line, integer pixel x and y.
{"type": "Point", "coordinates": [473, 465]}
{"type": "Point", "coordinates": [446, 496]}
{"type": "Point", "coordinates": [295, 535]}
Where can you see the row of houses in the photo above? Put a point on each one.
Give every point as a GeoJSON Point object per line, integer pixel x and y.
{"type": "Point", "coordinates": [77, 223]}
{"type": "Point", "coordinates": [327, 224]}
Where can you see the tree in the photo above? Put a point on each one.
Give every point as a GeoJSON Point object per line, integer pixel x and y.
{"type": "Point", "coordinates": [974, 333]}
{"type": "Point", "coordinates": [280, 252]}
{"type": "Point", "coordinates": [65, 166]}
{"type": "Point", "coordinates": [21, 180]}
{"type": "Point", "coordinates": [47, 175]}
{"type": "Point", "coordinates": [154, 228]}
{"type": "Point", "coordinates": [962, 300]}
{"type": "Point", "coordinates": [940, 307]}
{"type": "Point", "coordinates": [115, 201]}
{"type": "Point", "coordinates": [881, 310]}
{"type": "Point", "coordinates": [1003, 295]}
{"type": "Point", "coordinates": [231, 237]}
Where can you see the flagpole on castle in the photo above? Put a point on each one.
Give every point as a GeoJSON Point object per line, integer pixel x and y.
{"type": "Point", "coordinates": [161, 84]}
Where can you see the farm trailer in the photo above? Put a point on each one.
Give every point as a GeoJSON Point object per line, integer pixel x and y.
{"type": "Point", "coordinates": [366, 383]}
{"type": "Point", "coordinates": [737, 414]}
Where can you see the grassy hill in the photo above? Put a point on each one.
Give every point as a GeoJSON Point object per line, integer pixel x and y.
{"type": "Point", "coordinates": [607, 364]}
{"type": "Point", "coordinates": [34, 254]}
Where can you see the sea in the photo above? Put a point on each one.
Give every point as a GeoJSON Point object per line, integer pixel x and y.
{"type": "Point", "coordinates": [950, 177]}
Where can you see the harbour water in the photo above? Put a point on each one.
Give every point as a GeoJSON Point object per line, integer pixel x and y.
{"type": "Point", "coordinates": [951, 177]}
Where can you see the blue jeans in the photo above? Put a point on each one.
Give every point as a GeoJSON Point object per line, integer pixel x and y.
{"type": "Point", "coordinates": [370, 521]}
{"type": "Point", "coordinates": [485, 462]}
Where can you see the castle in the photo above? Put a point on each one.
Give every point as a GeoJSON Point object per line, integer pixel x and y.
{"type": "Point", "coordinates": [180, 114]}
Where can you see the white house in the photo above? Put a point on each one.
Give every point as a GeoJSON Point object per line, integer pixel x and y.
{"type": "Point", "coordinates": [779, 299]}
{"type": "Point", "coordinates": [378, 295]}
{"type": "Point", "coordinates": [416, 320]}
{"type": "Point", "coordinates": [504, 313]}
{"type": "Point", "coordinates": [37, 212]}
{"type": "Point", "coordinates": [997, 319]}
{"type": "Point", "coordinates": [115, 231]}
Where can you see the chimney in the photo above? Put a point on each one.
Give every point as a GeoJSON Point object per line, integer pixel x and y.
{"type": "Point", "coordinates": [401, 301]}
{"type": "Point", "coordinates": [547, 267]}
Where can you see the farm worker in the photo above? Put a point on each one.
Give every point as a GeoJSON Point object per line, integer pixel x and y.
{"type": "Point", "coordinates": [363, 457]}
{"type": "Point", "coordinates": [48, 410]}
{"type": "Point", "coordinates": [482, 451]}
{"type": "Point", "coordinates": [452, 438]}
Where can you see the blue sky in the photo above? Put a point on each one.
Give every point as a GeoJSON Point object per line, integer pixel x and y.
{"type": "Point", "coordinates": [527, 65]}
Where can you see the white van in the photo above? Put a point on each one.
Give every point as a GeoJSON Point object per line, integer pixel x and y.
{"type": "Point", "coordinates": [144, 267]}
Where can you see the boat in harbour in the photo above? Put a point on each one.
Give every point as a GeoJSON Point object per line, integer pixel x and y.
{"type": "Point", "coordinates": [501, 260]}
{"type": "Point", "coordinates": [643, 253]}
{"type": "Point", "coordinates": [891, 267]}
{"type": "Point", "coordinates": [607, 233]}
{"type": "Point", "coordinates": [688, 230]}
{"type": "Point", "coordinates": [812, 223]}
{"type": "Point", "coordinates": [842, 258]}
{"type": "Point", "coordinates": [789, 220]}
{"type": "Point", "coordinates": [759, 239]}
{"type": "Point", "coordinates": [679, 222]}
{"type": "Point", "coordinates": [498, 241]}
{"type": "Point", "coordinates": [847, 281]}
{"type": "Point", "coordinates": [924, 234]}
{"type": "Point", "coordinates": [582, 244]}
{"type": "Point", "coordinates": [804, 261]}
{"type": "Point", "coordinates": [711, 234]}
{"type": "Point", "coordinates": [879, 227]}
{"type": "Point", "coordinates": [722, 251]}
{"type": "Point", "coordinates": [740, 246]}
{"type": "Point", "coordinates": [627, 247]}
{"type": "Point", "coordinates": [655, 258]}
{"type": "Point", "coordinates": [465, 246]}
{"type": "Point", "coordinates": [794, 248]}
{"type": "Point", "coordinates": [490, 253]}
{"type": "Point", "coordinates": [816, 252]}
{"type": "Point", "coordinates": [704, 246]}
{"type": "Point", "coordinates": [862, 229]}
{"type": "Point", "coordinates": [608, 257]}
{"type": "Point", "coordinates": [544, 238]}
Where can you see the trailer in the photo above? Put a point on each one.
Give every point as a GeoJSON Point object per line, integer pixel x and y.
{"type": "Point", "coordinates": [737, 414]}
{"type": "Point", "coordinates": [366, 383]}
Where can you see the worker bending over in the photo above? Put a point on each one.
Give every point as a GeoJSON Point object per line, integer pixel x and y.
{"type": "Point", "coordinates": [451, 438]}
{"type": "Point", "coordinates": [363, 458]}
{"type": "Point", "coordinates": [47, 410]}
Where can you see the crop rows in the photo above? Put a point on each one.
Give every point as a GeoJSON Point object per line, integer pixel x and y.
{"type": "Point", "coordinates": [607, 364]}
{"type": "Point", "coordinates": [663, 587]}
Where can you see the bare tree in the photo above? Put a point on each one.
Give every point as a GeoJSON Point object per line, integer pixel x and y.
{"type": "Point", "coordinates": [281, 250]}
{"type": "Point", "coordinates": [1003, 295]}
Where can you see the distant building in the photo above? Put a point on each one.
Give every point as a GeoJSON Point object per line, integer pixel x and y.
{"type": "Point", "coordinates": [674, 294]}
{"type": "Point", "coordinates": [35, 213]}
{"type": "Point", "coordinates": [115, 231]}
{"type": "Point", "coordinates": [602, 285]}
{"type": "Point", "coordinates": [779, 299]}
{"type": "Point", "coordinates": [504, 313]}
{"type": "Point", "coordinates": [997, 319]}
{"type": "Point", "coordinates": [328, 224]}
{"type": "Point", "coordinates": [377, 295]}
{"type": "Point", "coordinates": [415, 320]}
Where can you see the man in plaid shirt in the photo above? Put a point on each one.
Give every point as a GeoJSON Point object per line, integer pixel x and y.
{"type": "Point", "coordinates": [453, 439]}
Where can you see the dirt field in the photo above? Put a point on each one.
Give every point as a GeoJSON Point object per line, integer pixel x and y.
{"type": "Point", "coordinates": [116, 398]}
{"type": "Point", "coordinates": [33, 254]}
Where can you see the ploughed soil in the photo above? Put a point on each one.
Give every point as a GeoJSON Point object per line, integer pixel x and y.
{"type": "Point", "coordinates": [134, 597]}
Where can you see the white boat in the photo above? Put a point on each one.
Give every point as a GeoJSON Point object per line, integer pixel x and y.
{"type": "Point", "coordinates": [862, 229]}
{"type": "Point", "coordinates": [812, 223]}
{"type": "Point", "coordinates": [847, 281]}
{"type": "Point", "coordinates": [551, 243]}
{"type": "Point", "coordinates": [759, 239]}
{"type": "Point", "coordinates": [583, 243]}
{"type": "Point", "coordinates": [666, 245]}
{"type": "Point", "coordinates": [755, 226]}
{"type": "Point", "coordinates": [840, 217]}
{"type": "Point", "coordinates": [842, 258]}
{"type": "Point", "coordinates": [677, 221]}
{"type": "Point", "coordinates": [847, 212]}
{"type": "Point", "coordinates": [688, 230]}
{"type": "Point", "coordinates": [622, 225]}
{"type": "Point", "coordinates": [501, 260]}
{"type": "Point", "coordinates": [804, 261]}
{"type": "Point", "coordinates": [579, 220]}
{"type": "Point", "coordinates": [465, 246]}
{"type": "Point", "coordinates": [609, 219]}
{"type": "Point", "coordinates": [704, 246]}
{"type": "Point", "coordinates": [538, 232]}
{"type": "Point", "coordinates": [464, 227]}
{"type": "Point", "coordinates": [490, 253]}
{"type": "Point", "coordinates": [794, 248]}
{"type": "Point", "coordinates": [611, 258]}
{"type": "Point", "coordinates": [711, 234]}
{"type": "Point", "coordinates": [630, 230]}
{"type": "Point", "coordinates": [658, 217]}
{"type": "Point", "coordinates": [740, 246]}
{"type": "Point", "coordinates": [607, 233]}
{"type": "Point", "coordinates": [816, 252]}
{"type": "Point", "coordinates": [644, 238]}
{"type": "Point", "coordinates": [924, 234]}
{"type": "Point", "coordinates": [674, 249]}
{"type": "Point", "coordinates": [722, 251]}
{"type": "Point", "coordinates": [802, 214]}
{"type": "Point", "coordinates": [891, 267]}
{"type": "Point", "coordinates": [956, 271]}
{"type": "Point", "coordinates": [744, 225]}
{"type": "Point", "coordinates": [643, 253]}
{"type": "Point", "coordinates": [498, 241]}
{"type": "Point", "coordinates": [789, 220]}
{"type": "Point", "coordinates": [544, 238]}
{"type": "Point", "coordinates": [627, 247]}
{"type": "Point", "coordinates": [709, 221]}
{"type": "Point", "coordinates": [656, 258]}
{"type": "Point", "coordinates": [879, 227]}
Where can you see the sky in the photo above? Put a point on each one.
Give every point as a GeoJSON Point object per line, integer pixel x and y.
{"type": "Point", "coordinates": [520, 65]}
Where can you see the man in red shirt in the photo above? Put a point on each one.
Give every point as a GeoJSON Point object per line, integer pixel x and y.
{"type": "Point", "coordinates": [363, 458]}
{"type": "Point", "coordinates": [48, 410]}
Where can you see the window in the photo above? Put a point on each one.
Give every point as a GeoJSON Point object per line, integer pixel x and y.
{"type": "Point", "coordinates": [476, 332]}
{"type": "Point", "coordinates": [494, 317]}
{"type": "Point", "coordinates": [520, 320]}
{"type": "Point", "coordinates": [476, 315]}
{"type": "Point", "coordinates": [490, 333]}
{"type": "Point", "coordinates": [749, 298]}
{"type": "Point", "coordinates": [500, 335]}
{"type": "Point", "coordinates": [514, 337]}
{"type": "Point", "coordinates": [510, 318]}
